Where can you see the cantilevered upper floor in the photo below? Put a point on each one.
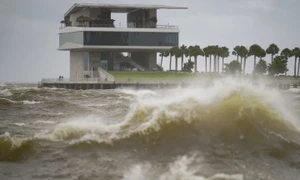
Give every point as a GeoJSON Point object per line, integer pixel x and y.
{"type": "Point", "coordinates": [90, 26]}
{"type": "Point", "coordinates": [99, 15]}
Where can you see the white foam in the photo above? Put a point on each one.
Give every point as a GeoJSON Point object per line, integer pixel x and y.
{"type": "Point", "coordinates": [20, 124]}
{"type": "Point", "coordinates": [184, 168]}
{"type": "Point", "coordinates": [139, 92]}
{"type": "Point", "coordinates": [294, 90]}
{"type": "Point", "coordinates": [15, 141]}
{"type": "Point", "coordinates": [6, 134]}
{"type": "Point", "coordinates": [45, 122]}
{"type": "Point", "coordinates": [88, 128]}
{"type": "Point", "coordinates": [5, 93]}
{"type": "Point", "coordinates": [31, 102]}
{"type": "Point", "coordinates": [158, 103]}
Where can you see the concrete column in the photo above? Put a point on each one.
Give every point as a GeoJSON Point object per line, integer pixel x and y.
{"type": "Point", "coordinates": [76, 64]}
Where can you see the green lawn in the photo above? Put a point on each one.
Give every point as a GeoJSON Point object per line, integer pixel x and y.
{"type": "Point", "coordinates": [172, 76]}
{"type": "Point", "coordinates": [122, 75]}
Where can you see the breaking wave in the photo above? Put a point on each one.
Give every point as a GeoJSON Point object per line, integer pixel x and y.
{"type": "Point", "coordinates": [5, 92]}
{"type": "Point", "coordinates": [8, 102]}
{"type": "Point", "coordinates": [228, 112]}
{"type": "Point", "coordinates": [185, 167]}
{"type": "Point", "coordinates": [15, 148]}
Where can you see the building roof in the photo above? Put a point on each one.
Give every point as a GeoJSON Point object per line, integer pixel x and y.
{"type": "Point", "coordinates": [118, 8]}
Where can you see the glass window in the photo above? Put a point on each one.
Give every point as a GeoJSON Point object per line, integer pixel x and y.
{"type": "Point", "coordinates": [86, 61]}
{"type": "Point", "coordinates": [75, 37]}
{"type": "Point", "coordinates": [131, 38]}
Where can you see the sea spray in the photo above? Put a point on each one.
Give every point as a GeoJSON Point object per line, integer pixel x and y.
{"type": "Point", "coordinates": [229, 109]}
{"type": "Point", "coordinates": [183, 168]}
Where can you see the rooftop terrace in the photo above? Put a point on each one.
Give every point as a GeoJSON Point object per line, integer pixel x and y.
{"type": "Point", "coordinates": [118, 8]}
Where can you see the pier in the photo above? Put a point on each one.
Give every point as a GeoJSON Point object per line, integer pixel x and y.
{"type": "Point", "coordinates": [97, 84]}
{"type": "Point", "coordinates": [85, 84]}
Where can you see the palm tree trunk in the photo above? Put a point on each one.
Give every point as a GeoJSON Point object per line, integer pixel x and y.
{"type": "Point", "coordinates": [286, 57]}
{"type": "Point", "coordinates": [215, 63]}
{"type": "Point", "coordinates": [181, 62]}
{"type": "Point", "coordinates": [242, 63]}
{"type": "Point", "coordinates": [209, 63]}
{"type": "Point", "coordinates": [237, 57]}
{"type": "Point", "coordinates": [298, 66]}
{"type": "Point", "coordinates": [205, 64]}
{"type": "Point", "coordinates": [272, 58]}
{"type": "Point", "coordinates": [244, 68]}
{"type": "Point", "coordinates": [176, 63]}
{"type": "Point", "coordinates": [170, 63]}
{"type": "Point", "coordinates": [222, 64]}
{"type": "Point", "coordinates": [295, 67]}
{"type": "Point", "coordinates": [254, 62]}
{"type": "Point", "coordinates": [218, 64]}
{"type": "Point", "coordinates": [195, 64]}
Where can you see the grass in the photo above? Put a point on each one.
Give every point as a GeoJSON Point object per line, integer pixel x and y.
{"type": "Point", "coordinates": [165, 75]}
{"type": "Point", "coordinates": [124, 75]}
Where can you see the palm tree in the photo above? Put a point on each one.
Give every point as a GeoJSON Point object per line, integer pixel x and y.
{"type": "Point", "coordinates": [295, 53]}
{"type": "Point", "coordinates": [262, 54]}
{"type": "Point", "coordinates": [286, 53]}
{"type": "Point", "coordinates": [189, 49]}
{"type": "Point", "coordinates": [165, 54]}
{"type": "Point", "coordinates": [171, 53]}
{"type": "Point", "coordinates": [298, 56]}
{"type": "Point", "coordinates": [210, 53]}
{"type": "Point", "coordinates": [219, 54]}
{"type": "Point", "coordinates": [214, 52]}
{"type": "Point", "coordinates": [195, 52]}
{"type": "Point", "coordinates": [224, 54]}
{"type": "Point", "coordinates": [255, 50]}
{"type": "Point", "coordinates": [177, 53]}
{"type": "Point", "coordinates": [243, 54]}
{"type": "Point", "coordinates": [206, 54]}
{"type": "Point", "coordinates": [236, 52]}
{"type": "Point", "coordinates": [161, 55]}
{"type": "Point", "coordinates": [184, 51]}
{"type": "Point", "coordinates": [273, 50]}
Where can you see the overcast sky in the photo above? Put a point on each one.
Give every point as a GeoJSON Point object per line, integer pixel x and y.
{"type": "Point", "coordinates": [29, 30]}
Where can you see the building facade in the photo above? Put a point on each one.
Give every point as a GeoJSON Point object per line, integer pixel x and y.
{"type": "Point", "coordinates": [96, 45]}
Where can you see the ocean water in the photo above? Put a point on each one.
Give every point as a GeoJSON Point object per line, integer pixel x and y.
{"type": "Point", "coordinates": [230, 130]}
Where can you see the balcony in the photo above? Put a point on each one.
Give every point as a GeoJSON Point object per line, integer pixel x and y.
{"type": "Point", "coordinates": [111, 24]}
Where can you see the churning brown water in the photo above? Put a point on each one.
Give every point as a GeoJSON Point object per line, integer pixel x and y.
{"type": "Point", "coordinates": [231, 130]}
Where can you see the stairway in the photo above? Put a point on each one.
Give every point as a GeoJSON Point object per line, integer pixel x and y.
{"type": "Point", "coordinates": [104, 75]}
{"type": "Point", "coordinates": [121, 58]}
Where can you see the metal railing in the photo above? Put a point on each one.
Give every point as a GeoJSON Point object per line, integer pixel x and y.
{"type": "Point", "coordinates": [70, 80]}
{"type": "Point", "coordinates": [119, 81]}
{"type": "Point", "coordinates": [123, 26]}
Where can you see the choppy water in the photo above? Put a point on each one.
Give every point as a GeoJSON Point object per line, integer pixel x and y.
{"type": "Point", "coordinates": [231, 130]}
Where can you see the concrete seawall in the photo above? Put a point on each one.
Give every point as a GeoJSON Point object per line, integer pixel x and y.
{"type": "Point", "coordinates": [137, 85]}
{"type": "Point", "coordinates": [112, 85]}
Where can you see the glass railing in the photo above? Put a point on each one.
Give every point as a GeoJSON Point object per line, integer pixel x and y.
{"type": "Point", "coordinates": [121, 26]}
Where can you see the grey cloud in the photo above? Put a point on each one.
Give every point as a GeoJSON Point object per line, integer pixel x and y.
{"type": "Point", "coordinates": [29, 39]}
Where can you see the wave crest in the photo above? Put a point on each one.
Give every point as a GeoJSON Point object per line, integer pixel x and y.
{"type": "Point", "coordinates": [180, 169]}
{"type": "Point", "coordinates": [234, 119]}
{"type": "Point", "coordinates": [15, 148]}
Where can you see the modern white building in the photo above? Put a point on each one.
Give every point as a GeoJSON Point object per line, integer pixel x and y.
{"type": "Point", "coordinates": [97, 45]}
